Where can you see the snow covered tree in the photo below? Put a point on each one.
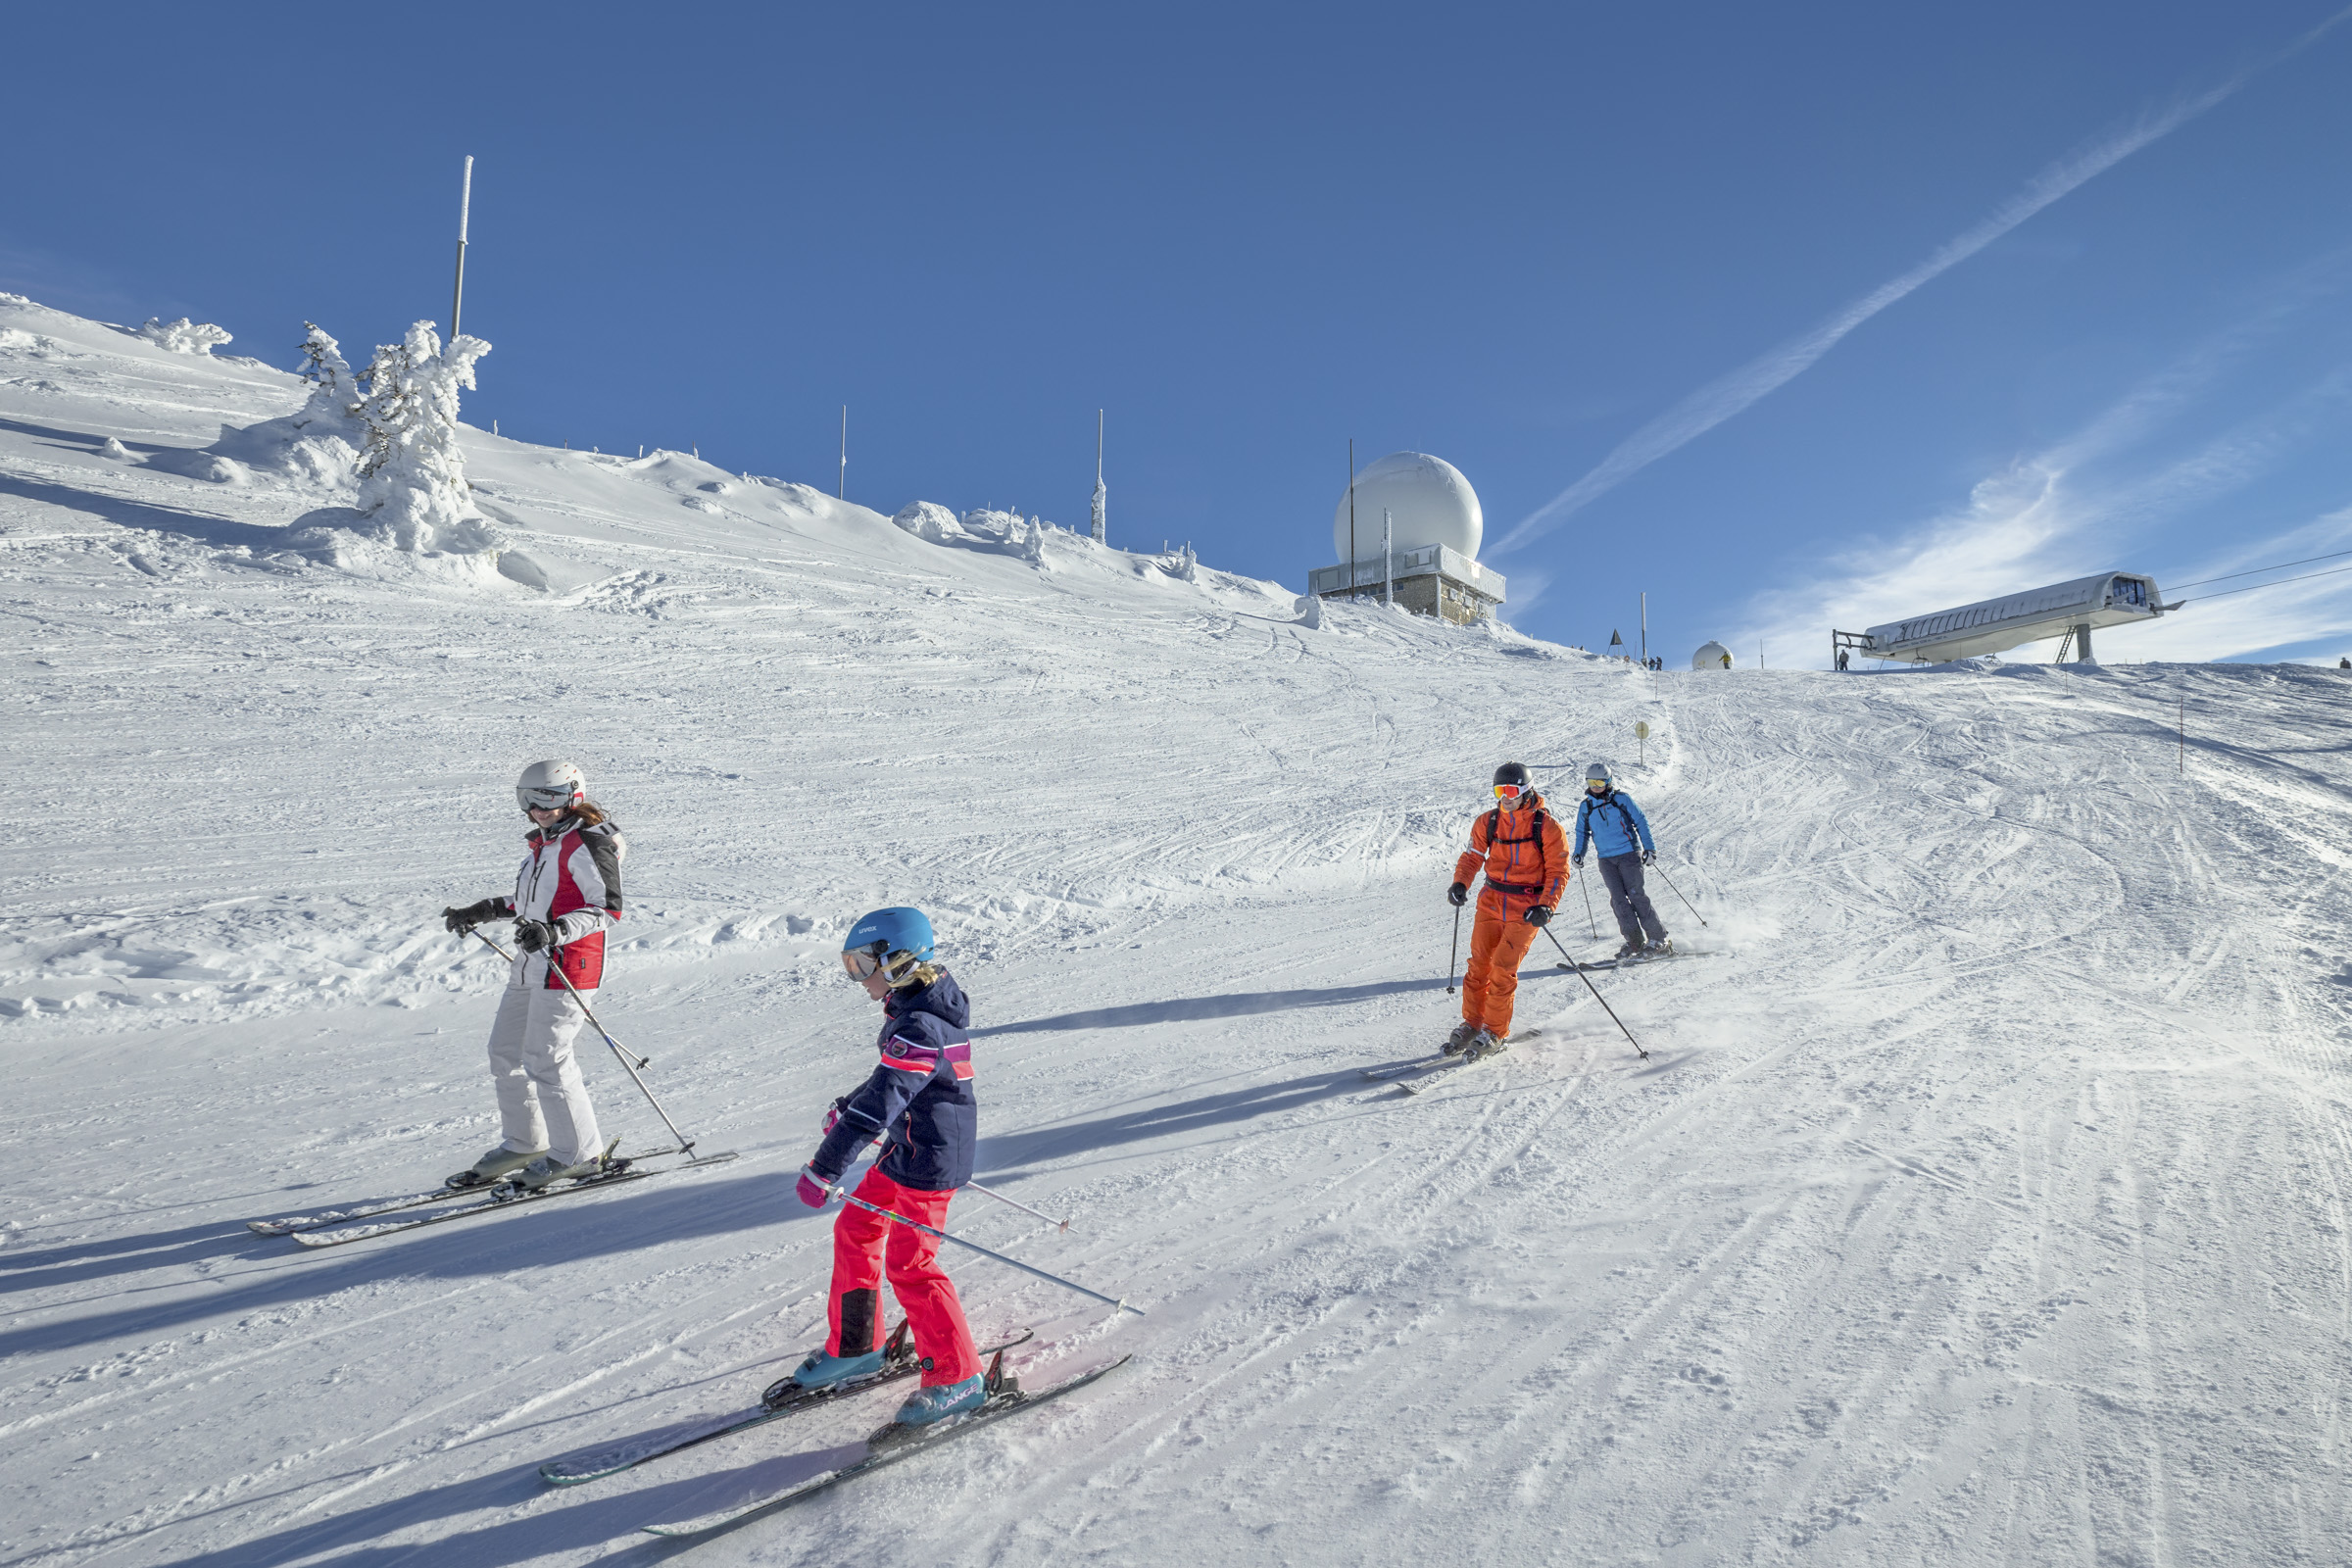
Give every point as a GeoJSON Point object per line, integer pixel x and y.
{"type": "Point", "coordinates": [184, 337]}
{"type": "Point", "coordinates": [335, 387]}
{"type": "Point", "coordinates": [411, 475]}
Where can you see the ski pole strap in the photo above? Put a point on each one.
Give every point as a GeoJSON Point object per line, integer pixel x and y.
{"type": "Point", "coordinates": [1069, 1285]}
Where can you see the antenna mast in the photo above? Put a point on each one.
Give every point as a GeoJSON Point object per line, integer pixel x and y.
{"type": "Point", "coordinates": [842, 489]}
{"type": "Point", "coordinates": [1351, 520]}
{"type": "Point", "coordinates": [1102, 496]}
{"type": "Point", "coordinates": [456, 301]}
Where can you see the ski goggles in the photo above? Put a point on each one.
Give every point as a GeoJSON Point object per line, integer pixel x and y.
{"type": "Point", "coordinates": [862, 963]}
{"type": "Point", "coordinates": [1511, 791]}
{"type": "Point", "coordinates": [545, 797]}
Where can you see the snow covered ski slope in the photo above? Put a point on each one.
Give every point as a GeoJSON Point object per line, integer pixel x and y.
{"type": "Point", "coordinates": [1983, 1201]}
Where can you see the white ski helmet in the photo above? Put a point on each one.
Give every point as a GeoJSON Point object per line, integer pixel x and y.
{"type": "Point", "coordinates": [1598, 773]}
{"type": "Point", "coordinates": [550, 786]}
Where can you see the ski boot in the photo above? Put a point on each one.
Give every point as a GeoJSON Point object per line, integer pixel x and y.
{"type": "Point", "coordinates": [544, 1173]}
{"type": "Point", "coordinates": [496, 1165]}
{"type": "Point", "coordinates": [1632, 945]}
{"type": "Point", "coordinates": [822, 1371]}
{"type": "Point", "coordinates": [1482, 1044]}
{"type": "Point", "coordinates": [946, 1400]}
{"type": "Point", "coordinates": [1663, 948]}
{"type": "Point", "coordinates": [1459, 1041]}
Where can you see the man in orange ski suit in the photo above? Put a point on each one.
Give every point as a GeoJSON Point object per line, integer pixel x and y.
{"type": "Point", "coordinates": [1526, 859]}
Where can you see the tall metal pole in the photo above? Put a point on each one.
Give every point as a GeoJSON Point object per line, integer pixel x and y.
{"type": "Point", "coordinates": [1645, 631]}
{"type": "Point", "coordinates": [1387, 561]}
{"type": "Point", "coordinates": [841, 490]}
{"type": "Point", "coordinates": [1351, 520]}
{"type": "Point", "coordinates": [1102, 496]}
{"type": "Point", "coordinates": [457, 300]}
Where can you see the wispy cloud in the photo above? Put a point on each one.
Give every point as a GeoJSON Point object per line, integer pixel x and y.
{"type": "Point", "coordinates": [1730, 394]}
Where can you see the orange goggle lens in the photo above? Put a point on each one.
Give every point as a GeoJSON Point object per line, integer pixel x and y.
{"type": "Point", "coordinates": [1510, 792]}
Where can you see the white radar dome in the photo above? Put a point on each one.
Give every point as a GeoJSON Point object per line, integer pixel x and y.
{"type": "Point", "coordinates": [1714, 656]}
{"type": "Point", "coordinates": [1428, 503]}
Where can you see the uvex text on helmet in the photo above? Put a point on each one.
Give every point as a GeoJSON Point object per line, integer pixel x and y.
{"type": "Point", "coordinates": [1512, 773]}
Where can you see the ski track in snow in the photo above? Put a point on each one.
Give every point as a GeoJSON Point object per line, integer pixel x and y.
{"type": "Point", "coordinates": [1982, 1201]}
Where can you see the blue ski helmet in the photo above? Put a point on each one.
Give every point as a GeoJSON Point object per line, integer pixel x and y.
{"type": "Point", "coordinates": [898, 930]}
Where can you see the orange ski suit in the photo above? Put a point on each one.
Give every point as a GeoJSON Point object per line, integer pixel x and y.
{"type": "Point", "coordinates": [1526, 859]}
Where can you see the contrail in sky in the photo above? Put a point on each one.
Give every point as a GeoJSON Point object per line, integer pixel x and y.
{"type": "Point", "coordinates": [1719, 399]}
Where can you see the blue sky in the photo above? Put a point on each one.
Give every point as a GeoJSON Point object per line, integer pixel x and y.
{"type": "Point", "coordinates": [1524, 238]}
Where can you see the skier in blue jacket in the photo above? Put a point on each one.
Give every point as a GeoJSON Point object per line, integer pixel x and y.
{"type": "Point", "coordinates": [920, 1099]}
{"type": "Point", "coordinates": [1610, 821]}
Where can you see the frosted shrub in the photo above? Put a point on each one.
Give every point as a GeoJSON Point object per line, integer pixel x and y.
{"type": "Point", "coordinates": [411, 475]}
{"type": "Point", "coordinates": [184, 337]}
{"type": "Point", "coordinates": [928, 520]}
{"type": "Point", "coordinates": [334, 389]}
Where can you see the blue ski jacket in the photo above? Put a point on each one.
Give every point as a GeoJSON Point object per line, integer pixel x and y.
{"type": "Point", "coordinates": [919, 1096]}
{"type": "Point", "coordinates": [1611, 821]}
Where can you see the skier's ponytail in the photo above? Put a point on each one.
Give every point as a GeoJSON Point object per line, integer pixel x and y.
{"type": "Point", "coordinates": [589, 813]}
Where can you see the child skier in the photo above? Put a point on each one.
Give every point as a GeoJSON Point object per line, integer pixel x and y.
{"type": "Point", "coordinates": [1526, 861]}
{"type": "Point", "coordinates": [566, 897]}
{"type": "Point", "coordinates": [1609, 819]}
{"type": "Point", "coordinates": [920, 1098]}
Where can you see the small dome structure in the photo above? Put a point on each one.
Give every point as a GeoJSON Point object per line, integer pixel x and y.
{"type": "Point", "coordinates": [1713, 656]}
{"type": "Point", "coordinates": [1428, 503]}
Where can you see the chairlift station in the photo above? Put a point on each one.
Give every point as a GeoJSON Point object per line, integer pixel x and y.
{"type": "Point", "coordinates": [1406, 532]}
{"type": "Point", "coordinates": [2070, 610]}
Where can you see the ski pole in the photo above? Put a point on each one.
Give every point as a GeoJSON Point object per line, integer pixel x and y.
{"type": "Point", "coordinates": [1597, 996]}
{"type": "Point", "coordinates": [1059, 1224]}
{"type": "Point", "coordinates": [628, 1062]}
{"type": "Point", "coordinates": [1677, 893]}
{"type": "Point", "coordinates": [1454, 956]}
{"type": "Point", "coordinates": [1015, 1262]}
{"type": "Point", "coordinates": [1588, 926]}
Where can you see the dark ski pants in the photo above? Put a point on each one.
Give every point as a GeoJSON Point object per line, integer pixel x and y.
{"type": "Point", "coordinates": [1636, 919]}
{"type": "Point", "coordinates": [864, 1247]}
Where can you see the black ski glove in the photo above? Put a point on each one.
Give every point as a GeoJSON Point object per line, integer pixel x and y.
{"type": "Point", "coordinates": [1649, 856]}
{"type": "Point", "coordinates": [463, 920]}
{"type": "Point", "coordinates": [1580, 863]}
{"type": "Point", "coordinates": [533, 935]}
{"type": "Point", "coordinates": [1458, 894]}
{"type": "Point", "coordinates": [1538, 915]}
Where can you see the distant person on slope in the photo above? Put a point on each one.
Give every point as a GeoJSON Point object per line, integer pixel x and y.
{"type": "Point", "coordinates": [1609, 821]}
{"type": "Point", "coordinates": [1526, 859]}
{"type": "Point", "coordinates": [567, 894]}
{"type": "Point", "coordinates": [920, 1098]}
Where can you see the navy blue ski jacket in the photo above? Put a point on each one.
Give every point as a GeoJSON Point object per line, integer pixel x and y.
{"type": "Point", "coordinates": [1610, 821]}
{"type": "Point", "coordinates": [921, 1097]}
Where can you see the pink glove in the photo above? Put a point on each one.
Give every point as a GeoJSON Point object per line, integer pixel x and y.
{"type": "Point", "coordinates": [831, 1118]}
{"type": "Point", "coordinates": [812, 1189]}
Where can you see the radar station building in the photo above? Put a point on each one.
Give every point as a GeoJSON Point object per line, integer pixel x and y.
{"type": "Point", "coordinates": [1406, 532]}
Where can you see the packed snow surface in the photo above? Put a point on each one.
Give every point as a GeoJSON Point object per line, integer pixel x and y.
{"type": "Point", "coordinates": [1982, 1200]}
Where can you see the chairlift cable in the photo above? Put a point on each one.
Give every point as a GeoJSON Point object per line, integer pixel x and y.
{"type": "Point", "coordinates": [2306, 577]}
{"type": "Point", "coordinates": [2258, 571]}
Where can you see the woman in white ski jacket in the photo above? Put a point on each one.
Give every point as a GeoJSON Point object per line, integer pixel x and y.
{"type": "Point", "coordinates": [567, 894]}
